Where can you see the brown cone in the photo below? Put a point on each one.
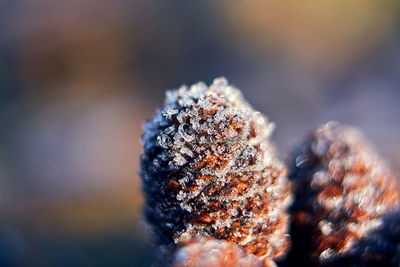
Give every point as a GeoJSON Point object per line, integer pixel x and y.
{"type": "Point", "coordinates": [342, 191]}
{"type": "Point", "coordinates": [216, 253]}
{"type": "Point", "coordinates": [209, 170]}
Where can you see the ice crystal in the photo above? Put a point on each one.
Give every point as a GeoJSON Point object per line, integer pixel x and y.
{"type": "Point", "coordinates": [209, 170]}
{"type": "Point", "coordinates": [342, 191]}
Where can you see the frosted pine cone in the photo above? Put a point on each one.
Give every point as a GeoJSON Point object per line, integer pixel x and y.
{"type": "Point", "coordinates": [209, 170]}
{"type": "Point", "coordinates": [342, 191]}
{"type": "Point", "coordinates": [379, 248]}
{"type": "Point", "coordinates": [216, 253]}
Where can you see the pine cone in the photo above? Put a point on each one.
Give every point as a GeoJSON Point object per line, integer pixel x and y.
{"type": "Point", "coordinates": [379, 248]}
{"type": "Point", "coordinates": [209, 169]}
{"type": "Point", "coordinates": [342, 192]}
{"type": "Point", "coordinates": [216, 253]}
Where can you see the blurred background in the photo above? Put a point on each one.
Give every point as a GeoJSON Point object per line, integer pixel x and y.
{"type": "Point", "coordinates": [78, 78]}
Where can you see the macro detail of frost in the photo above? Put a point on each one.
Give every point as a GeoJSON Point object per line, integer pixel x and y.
{"type": "Point", "coordinates": [209, 169]}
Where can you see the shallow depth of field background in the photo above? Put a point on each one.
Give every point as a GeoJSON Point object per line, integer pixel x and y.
{"type": "Point", "coordinates": [78, 78]}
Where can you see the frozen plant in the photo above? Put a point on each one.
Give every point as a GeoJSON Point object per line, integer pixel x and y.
{"type": "Point", "coordinates": [210, 170]}
{"type": "Point", "coordinates": [216, 253]}
{"type": "Point", "coordinates": [343, 193]}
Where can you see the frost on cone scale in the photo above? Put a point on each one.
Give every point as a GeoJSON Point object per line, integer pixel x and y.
{"type": "Point", "coordinates": [209, 170]}
{"type": "Point", "coordinates": [343, 194]}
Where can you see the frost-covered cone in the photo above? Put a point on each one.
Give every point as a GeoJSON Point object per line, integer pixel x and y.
{"type": "Point", "coordinates": [217, 253]}
{"type": "Point", "coordinates": [209, 169]}
{"type": "Point", "coordinates": [342, 191]}
{"type": "Point", "coordinates": [379, 248]}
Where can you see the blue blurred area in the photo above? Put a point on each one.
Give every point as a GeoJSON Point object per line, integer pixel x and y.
{"type": "Point", "coordinates": [78, 78]}
{"type": "Point", "coordinates": [121, 249]}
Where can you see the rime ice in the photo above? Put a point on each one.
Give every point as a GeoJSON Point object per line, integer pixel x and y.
{"type": "Point", "coordinates": [209, 169]}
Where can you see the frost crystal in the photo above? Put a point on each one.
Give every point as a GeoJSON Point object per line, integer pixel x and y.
{"type": "Point", "coordinates": [342, 192]}
{"type": "Point", "coordinates": [209, 170]}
